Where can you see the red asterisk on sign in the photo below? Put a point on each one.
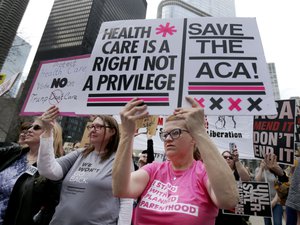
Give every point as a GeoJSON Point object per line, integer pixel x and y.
{"type": "Point", "coordinates": [166, 29]}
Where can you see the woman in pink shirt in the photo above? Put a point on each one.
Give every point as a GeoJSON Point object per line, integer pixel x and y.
{"type": "Point", "coordinates": [181, 190]}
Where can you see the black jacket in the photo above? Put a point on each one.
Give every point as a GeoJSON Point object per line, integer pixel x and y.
{"type": "Point", "coordinates": [33, 198]}
{"type": "Point", "coordinates": [9, 153]}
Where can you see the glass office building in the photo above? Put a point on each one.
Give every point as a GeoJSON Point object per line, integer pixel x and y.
{"type": "Point", "coordinates": [274, 80]}
{"type": "Point", "coordinates": [195, 8]}
{"type": "Point", "coordinates": [73, 26]}
{"type": "Point", "coordinates": [11, 14]}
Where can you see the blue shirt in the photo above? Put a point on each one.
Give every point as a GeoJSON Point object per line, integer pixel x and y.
{"type": "Point", "coordinates": [8, 178]}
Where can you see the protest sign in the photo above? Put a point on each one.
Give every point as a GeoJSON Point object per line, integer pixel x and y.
{"type": "Point", "coordinates": [8, 83]}
{"type": "Point", "coordinates": [68, 147]}
{"type": "Point", "coordinates": [2, 78]}
{"type": "Point", "coordinates": [297, 129]}
{"type": "Point", "coordinates": [276, 134]}
{"type": "Point", "coordinates": [150, 123]}
{"type": "Point", "coordinates": [254, 200]}
{"type": "Point", "coordinates": [238, 129]}
{"type": "Point", "coordinates": [218, 61]}
{"type": "Point", "coordinates": [222, 130]}
{"type": "Point", "coordinates": [56, 82]}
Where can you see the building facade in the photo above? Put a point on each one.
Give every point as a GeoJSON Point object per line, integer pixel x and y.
{"type": "Point", "coordinates": [73, 26]}
{"type": "Point", "coordinates": [11, 13]}
{"type": "Point", "coordinates": [274, 81]}
{"type": "Point", "coordinates": [195, 8]}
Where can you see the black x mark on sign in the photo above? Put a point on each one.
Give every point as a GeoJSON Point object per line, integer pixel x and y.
{"type": "Point", "coordinates": [254, 104]}
{"type": "Point", "coordinates": [216, 103]}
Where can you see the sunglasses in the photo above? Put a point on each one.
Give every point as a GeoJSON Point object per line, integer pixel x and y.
{"type": "Point", "coordinates": [36, 127]}
{"type": "Point", "coordinates": [228, 157]}
{"type": "Point", "coordinates": [174, 134]}
{"type": "Point", "coordinates": [96, 126]}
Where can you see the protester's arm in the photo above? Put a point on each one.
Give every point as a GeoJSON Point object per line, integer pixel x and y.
{"type": "Point", "coordinates": [242, 171]}
{"type": "Point", "coordinates": [46, 162]}
{"type": "Point", "coordinates": [259, 176]}
{"type": "Point", "coordinates": [221, 184]}
{"type": "Point", "coordinates": [127, 184]}
{"type": "Point", "coordinates": [271, 163]}
{"type": "Point", "coordinates": [275, 200]}
{"type": "Point", "coordinates": [125, 214]}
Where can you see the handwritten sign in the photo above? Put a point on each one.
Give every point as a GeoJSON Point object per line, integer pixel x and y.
{"type": "Point", "coordinates": [276, 134]}
{"type": "Point", "coordinates": [218, 61]}
{"type": "Point", "coordinates": [56, 82]}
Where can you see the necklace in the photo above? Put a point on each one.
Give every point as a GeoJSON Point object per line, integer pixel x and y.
{"type": "Point", "coordinates": [176, 174]}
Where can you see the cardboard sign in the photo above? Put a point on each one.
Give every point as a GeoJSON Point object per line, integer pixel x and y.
{"type": "Point", "coordinates": [150, 123]}
{"type": "Point", "coordinates": [218, 61]}
{"type": "Point", "coordinates": [276, 134]}
{"type": "Point", "coordinates": [254, 200]}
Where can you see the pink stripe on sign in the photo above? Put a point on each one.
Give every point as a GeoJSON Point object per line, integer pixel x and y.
{"type": "Point", "coordinates": [157, 99]}
{"type": "Point", "coordinates": [232, 88]}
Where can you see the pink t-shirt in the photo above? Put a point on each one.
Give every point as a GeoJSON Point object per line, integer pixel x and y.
{"type": "Point", "coordinates": [175, 197]}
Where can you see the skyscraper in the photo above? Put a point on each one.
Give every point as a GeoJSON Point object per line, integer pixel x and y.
{"type": "Point", "coordinates": [274, 81]}
{"type": "Point", "coordinates": [73, 26]}
{"type": "Point", "coordinates": [195, 8]}
{"type": "Point", "coordinates": [11, 13]}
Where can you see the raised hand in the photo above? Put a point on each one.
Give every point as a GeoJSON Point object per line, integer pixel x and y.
{"type": "Point", "coordinates": [49, 117]}
{"type": "Point", "coordinates": [235, 154]}
{"type": "Point", "coordinates": [271, 161]}
{"type": "Point", "coordinates": [133, 110]}
{"type": "Point", "coordinates": [194, 117]}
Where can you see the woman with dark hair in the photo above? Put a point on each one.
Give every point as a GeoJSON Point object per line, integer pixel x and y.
{"type": "Point", "coordinates": [86, 195]}
{"type": "Point", "coordinates": [240, 173]}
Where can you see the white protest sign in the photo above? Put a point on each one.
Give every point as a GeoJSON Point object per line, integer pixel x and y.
{"type": "Point", "coordinates": [8, 83]}
{"type": "Point", "coordinates": [222, 130]}
{"type": "Point", "coordinates": [218, 61]}
{"type": "Point", "coordinates": [232, 129]}
{"type": "Point", "coordinates": [56, 82]}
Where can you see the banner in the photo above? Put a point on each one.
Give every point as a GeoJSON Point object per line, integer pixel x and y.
{"type": "Point", "coordinates": [276, 134]}
{"type": "Point", "coordinates": [254, 200]}
{"type": "Point", "coordinates": [218, 61]}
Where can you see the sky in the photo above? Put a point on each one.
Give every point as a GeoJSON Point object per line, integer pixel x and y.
{"type": "Point", "coordinates": [277, 23]}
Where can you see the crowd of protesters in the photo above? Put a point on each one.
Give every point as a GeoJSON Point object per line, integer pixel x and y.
{"type": "Point", "coordinates": [98, 185]}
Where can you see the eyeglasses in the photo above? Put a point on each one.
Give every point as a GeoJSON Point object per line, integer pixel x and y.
{"type": "Point", "coordinates": [227, 157]}
{"type": "Point", "coordinates": [35, 127]}
{"type": "Point", "coordinates": [96, 126]}
{"type": "Point", "coordinates": [174, 134]}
